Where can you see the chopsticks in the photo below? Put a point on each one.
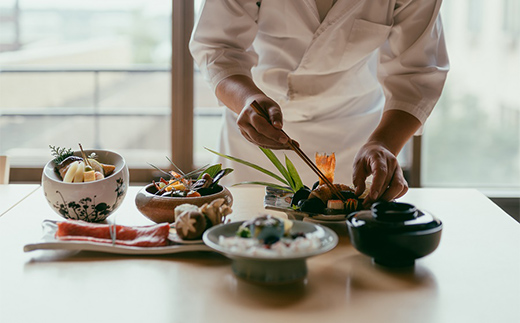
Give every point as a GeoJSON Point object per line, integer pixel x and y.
{"type": "Point", "coordinates": [258, 109]}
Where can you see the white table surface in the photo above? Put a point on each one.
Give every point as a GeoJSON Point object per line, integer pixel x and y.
{"type": "Point", "coordinates": [10, 195]}
{"type": "Point", "coordinates": [474, 275]}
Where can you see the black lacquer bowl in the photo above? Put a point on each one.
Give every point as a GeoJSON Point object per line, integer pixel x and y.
{"type": "Point", "coordinates": [394, 234]}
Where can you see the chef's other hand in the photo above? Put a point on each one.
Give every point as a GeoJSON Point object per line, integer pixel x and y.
{"type": "Point", "coordinates": [388, 180]}
{"type": "Point", "coordinates": [258, 130]}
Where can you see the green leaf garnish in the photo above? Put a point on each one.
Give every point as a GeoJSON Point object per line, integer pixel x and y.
{"type": "Point", "coordinates": [211, 170]}
{"type": "Point", "coordinates": [291, 182]}
{"type": "Point", "coordinates": [60, 153]}
{"type": "Point", "coordinates": [276, 162]}
{"type": "Point", "coordinates": [280, 187]}
{"type": "Point", "coordinates": [243, 232]}
{"type": "Point", "coordinates": [293, 173]}
{"type": "Point", "coordinates": [258, 168]}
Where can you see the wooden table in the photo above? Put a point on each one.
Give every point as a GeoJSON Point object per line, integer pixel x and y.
{"type": "Point", "coordinates": [474, 275]}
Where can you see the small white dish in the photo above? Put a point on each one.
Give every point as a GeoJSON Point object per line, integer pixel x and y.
{"type": "Point", "coordinates": [173, 236]}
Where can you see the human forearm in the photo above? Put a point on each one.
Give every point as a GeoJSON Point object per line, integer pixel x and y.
{"type": "Point", "coordinates": [394, 130]}
{"type": "Point", "coordinates": [237, 92]}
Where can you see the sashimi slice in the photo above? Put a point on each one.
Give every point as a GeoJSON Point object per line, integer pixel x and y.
{"type": "Point", "coordinates": [139, 236]}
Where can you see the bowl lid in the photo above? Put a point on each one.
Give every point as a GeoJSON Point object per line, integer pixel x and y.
{"type": "Point", "coordinates": [393, 217]}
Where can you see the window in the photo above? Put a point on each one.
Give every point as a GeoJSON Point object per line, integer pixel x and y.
{"type": "Point", "coordinates": [475, 16]}
{"type": "Point", "coordinates": [93, 72]}
{"type": "Point", "coordinates": [472, 137]}
{"type": "Point", "coordinates": [511, 21]}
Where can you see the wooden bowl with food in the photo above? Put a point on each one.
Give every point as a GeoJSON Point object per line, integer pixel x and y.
{"type": "Point", "coordinates": [157, 201]}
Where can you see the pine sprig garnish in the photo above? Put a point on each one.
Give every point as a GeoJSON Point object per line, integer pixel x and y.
{"type": "Point", "coordinates": [60, 153]}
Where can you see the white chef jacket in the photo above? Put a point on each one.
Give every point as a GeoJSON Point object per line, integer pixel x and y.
{"type": "Point", "coordinates": [332, 79]}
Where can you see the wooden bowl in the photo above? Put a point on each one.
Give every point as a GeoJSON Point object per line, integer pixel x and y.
{"type": "Point", "coordinates": [161, 209]}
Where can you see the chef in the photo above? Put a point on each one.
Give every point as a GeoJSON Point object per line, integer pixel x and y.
{"type": "Point", "coordinates": [355, 77]}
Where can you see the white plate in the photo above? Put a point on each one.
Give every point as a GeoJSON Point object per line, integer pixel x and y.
{"type": "Point", "coordinates": [173, 236]}
{"type": "Point", "coordinates": [49, 242]}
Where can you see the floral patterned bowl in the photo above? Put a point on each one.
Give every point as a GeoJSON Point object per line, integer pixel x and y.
{"type": "Point", "coordinates": [90, 201]}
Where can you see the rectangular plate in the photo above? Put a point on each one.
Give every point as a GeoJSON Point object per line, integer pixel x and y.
{"type": "Point", "coordinates": [49, 242]}
{"type": "Point", "coordinates": [279, 200]}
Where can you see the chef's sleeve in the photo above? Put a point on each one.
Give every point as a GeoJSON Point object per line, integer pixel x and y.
{"type": "Point", "coordinates": [221, 40]}
{"type": "Point", "coordinates": [414, 61]}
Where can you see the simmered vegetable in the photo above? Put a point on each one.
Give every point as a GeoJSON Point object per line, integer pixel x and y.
{"type": "Point", "coordinates": [189, 184]}
{"type": "Point", "coordinates": [75, 169]}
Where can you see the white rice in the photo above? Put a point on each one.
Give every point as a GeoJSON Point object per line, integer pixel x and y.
{"type": "Point", "coordinates": [284, 247]}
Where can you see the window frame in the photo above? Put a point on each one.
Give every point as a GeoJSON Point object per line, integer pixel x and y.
{"type": "Point", "coordinates": [182, 109]}
{"type": "Point", "coordinates": [182, 85]}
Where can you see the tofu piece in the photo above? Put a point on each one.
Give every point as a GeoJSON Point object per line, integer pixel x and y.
{"type": "Point", "coordinates": [89, 176]}
{"type": "Point", "coordinates": [335, 204]}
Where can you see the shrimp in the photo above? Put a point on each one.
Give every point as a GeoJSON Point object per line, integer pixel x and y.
{"type": "Point", "coordinates": [327, 165]}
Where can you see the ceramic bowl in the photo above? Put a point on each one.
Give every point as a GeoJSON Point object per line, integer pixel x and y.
{"type": "Point", "coordinates": [89, 201]}
{"type": "Point", "coordinates": [272, 269]}
{"type": "Point", "coordinates": [394, 234]}
{"type": "Point", "coordinates": [161, 209]}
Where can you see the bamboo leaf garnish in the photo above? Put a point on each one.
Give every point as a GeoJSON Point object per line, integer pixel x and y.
{"type": "Point", "coordinates": [291, 182]}
{"type": "Point", "coordinates": [280, 187]}
{"type": "Point", "coordinates": [294, 174]}
{"type": "Point", "coordinates": [276, 162]}
{"type": "Point", "coordinates": [261, 169]}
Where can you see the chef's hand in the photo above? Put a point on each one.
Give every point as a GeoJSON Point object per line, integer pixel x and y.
{"type": "Point", "coordinates": [388, 181]}
{"type": "Point", "coordinates": [258, 130]}
{"type": "Point", "coordinates": [237, 92]}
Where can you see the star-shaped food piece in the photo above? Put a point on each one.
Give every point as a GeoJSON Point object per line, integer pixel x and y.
{"type": "Point", "coordinates": [190, 225]}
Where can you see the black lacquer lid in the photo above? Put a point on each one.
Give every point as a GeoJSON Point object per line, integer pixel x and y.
{"type": "Point", "coordinates": [393, 217]}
